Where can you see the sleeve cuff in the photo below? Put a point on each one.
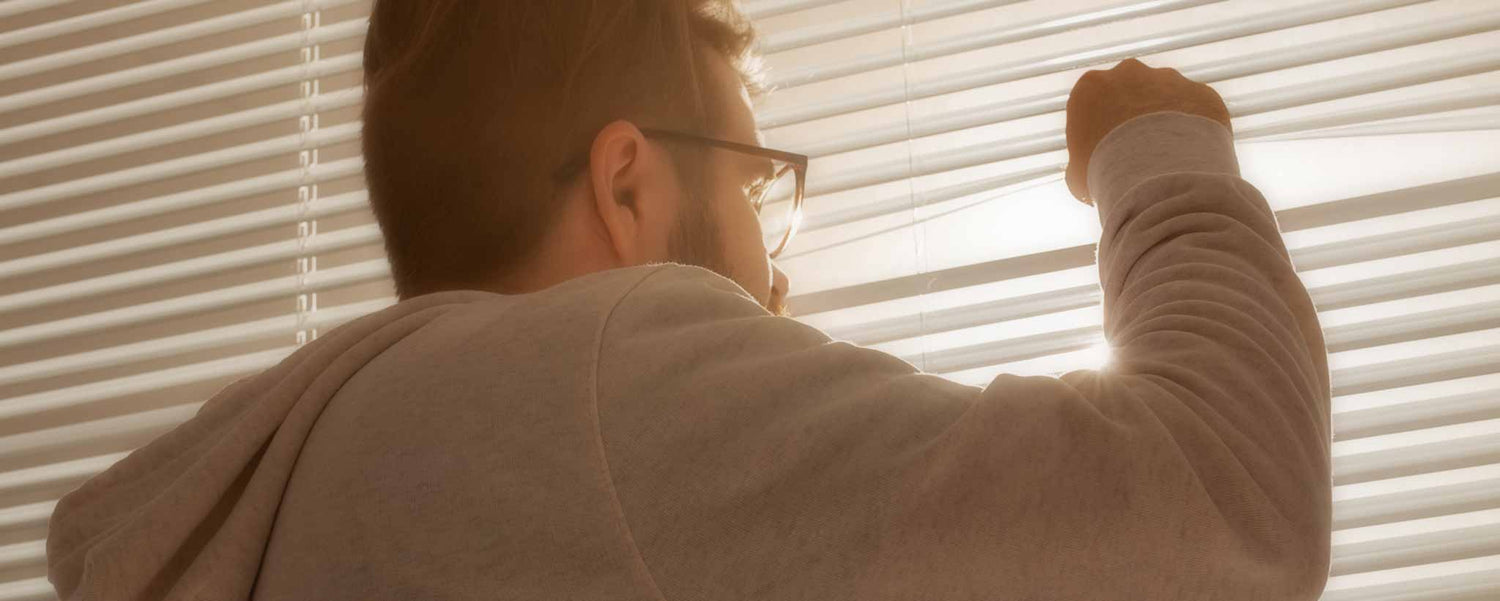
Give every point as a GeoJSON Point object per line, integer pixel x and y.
{"type": "Point", "coordinates": [1156, 144]}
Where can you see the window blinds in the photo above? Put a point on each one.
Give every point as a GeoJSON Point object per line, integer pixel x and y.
{"type": "Point", "coordinates": [166, 167]}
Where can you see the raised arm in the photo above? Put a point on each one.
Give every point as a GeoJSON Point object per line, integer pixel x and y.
{"type": "Point", "coordinates": [753, 457]}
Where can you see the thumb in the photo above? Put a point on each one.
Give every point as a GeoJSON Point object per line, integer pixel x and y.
{"type": "Point", "coordinates": [1078, 181]}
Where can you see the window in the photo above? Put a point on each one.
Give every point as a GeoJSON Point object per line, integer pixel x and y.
{"type": "Point", "coordinates": [182, 205]}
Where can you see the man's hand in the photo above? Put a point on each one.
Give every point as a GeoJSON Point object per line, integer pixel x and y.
{"type": "Point", "coordinates": [1102, 100]}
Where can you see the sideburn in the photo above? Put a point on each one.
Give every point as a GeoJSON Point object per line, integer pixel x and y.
{"type": "Point", "coordinates": [695, 239]}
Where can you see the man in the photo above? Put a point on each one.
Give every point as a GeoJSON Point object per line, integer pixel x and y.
{"type": "Point", "coordinates": [586, 391]}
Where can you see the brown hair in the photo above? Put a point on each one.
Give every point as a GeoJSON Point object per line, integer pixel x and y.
{"type": "Point", "coordinates": [471, 105]}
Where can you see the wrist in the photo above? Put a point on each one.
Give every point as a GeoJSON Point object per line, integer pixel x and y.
{"type": "Point", "coordinates": [1154, 144]}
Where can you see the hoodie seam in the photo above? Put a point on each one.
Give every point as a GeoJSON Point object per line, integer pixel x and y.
{"type": "Point", "coordinates": [609, 480]}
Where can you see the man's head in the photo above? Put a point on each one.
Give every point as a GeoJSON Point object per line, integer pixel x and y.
{"type": "Point", "coordinates": [471, 109]}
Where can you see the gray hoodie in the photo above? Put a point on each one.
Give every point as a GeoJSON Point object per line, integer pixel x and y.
{"type": "Point", "coordinates": [653, 433]}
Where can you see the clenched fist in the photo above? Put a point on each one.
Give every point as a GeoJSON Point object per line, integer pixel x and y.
{"type": "Point", "coordinates": [1102, 100]}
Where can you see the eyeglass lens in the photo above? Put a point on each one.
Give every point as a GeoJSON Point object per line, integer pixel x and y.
{"type": "Point", "coordinates": [778, 207]}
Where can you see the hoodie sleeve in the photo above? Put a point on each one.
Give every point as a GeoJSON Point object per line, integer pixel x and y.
{"type": "Point", "coordinates": [753, 457]}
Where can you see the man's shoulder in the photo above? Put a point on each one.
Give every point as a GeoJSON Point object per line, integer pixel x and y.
{"type": "Point", "coordinates": [651, 287]}
{"type": "Point", "coordinates": [654, 283]}
{"type": "Point", "coordinates": [677, 288]}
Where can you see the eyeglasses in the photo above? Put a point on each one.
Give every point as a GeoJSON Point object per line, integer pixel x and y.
{"type": "Point", "coordinates": [776, 197]}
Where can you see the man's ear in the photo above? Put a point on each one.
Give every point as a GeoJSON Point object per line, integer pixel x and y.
{"type": "Point", "coordinates": [625, 176]}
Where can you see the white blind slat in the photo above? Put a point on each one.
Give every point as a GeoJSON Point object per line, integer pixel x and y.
{"type": "Point", "coordinates": [146, 276]}
{"type": "Point", "coordinates": [52, 400]}
{"type": "Point", "coordinates": [762, 9]}
{"type": "Point", "coordinates": [1009, 34]}
{"type": "Point", "coordinates": [284, 145]}
{"type": "Point", "coordinates": [179, 201]}
{"type": "Point", "coordinates": [1397, 76]}
{"type": "Point", "coordinates": [61, 27]}
{"type": "Point", "coordinates": [214, 91]}
{"type": "Point", "coordinates": [161, 37]}
{"type": "Point", "coordinates": [1213, 71]}
{"type": "Point", "coordinates": [185, 305]}
{"type": "Point", "coordinates": [1423, 125]}
{"type": "Point", "coordinates": [29, 515]}
{"type": "Point", "coordinates": [179, 66]}
{"type": "Point", "coordinates": [868, 23]}
{"type": "Point", "coordinates": [280, 111]}
{"type": "Point", "coordinates": [327, 206]}
{"type": "Point", "coordinates": [325, 318]}
{"type": "Point", "coordinates": [1273, 20]}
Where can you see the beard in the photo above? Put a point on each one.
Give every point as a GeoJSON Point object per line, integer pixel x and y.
{"type": "Point", "coordinates": [695, 241]}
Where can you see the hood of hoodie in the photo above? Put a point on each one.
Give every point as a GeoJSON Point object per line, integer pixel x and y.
{"type": "Point", "coordinates": [189, 515]}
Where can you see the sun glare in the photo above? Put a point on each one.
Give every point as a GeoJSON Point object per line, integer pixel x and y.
{"type": "Point", "coordinates": [1098, 356]}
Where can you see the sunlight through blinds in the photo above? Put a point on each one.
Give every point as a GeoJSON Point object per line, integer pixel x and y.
{"type": "Point", "coordinates": [183, 204]}
{"type": "Point", "coordinates": [937, 226]}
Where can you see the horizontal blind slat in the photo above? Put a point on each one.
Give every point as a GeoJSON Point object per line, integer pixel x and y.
{"type": "Point", "coordinates": [956, 318]}
{"type": "Point", "coordinates": [137, 428]}
{"type": "Point", "coordinates": [161, 37]}
{"type": "Point", "coordinates": [56, 474]}
{"type": "Point", "coordinates": [61, 27]}
{"type": "Point", "coordinates": [1390, 202]}
{"type": "Point", "coordinates": [1342, 338]}
{"type": "Point", "coordinates": [869, 23]}
{"type": "Point", "coordinates": [1370, 556]}
{"type": "Point", "coordinates": [1412, 326]}
{"type": "Point", "coordinates": [1158, 42]}
{"type": "Point", "coordinates": [356, 273]}
{"type": "Point", "coordinates": [1420, 413]}
{"type": "Point", "coordinates": [1425, 125]}
{"type": "Point", "coordinates": [1405, 285]}
{"type": "Point", "coordinates": [29, 515]}
{"type": "Point", "coordinates": [327, 206]}
{"type": "Point", "coordinates": [325, 318]}
{"type": "Point", "coordinates": [290, 248]}
{"type": "Point", "coordinates": [1022, 146]}
{"type": "Point", "coordinates": [178, 201]}
{"type": "Point", "coordinates": [1475, 586]}
{"type": "Point", "coordinates": [281, 111]}
{"type": "Point", "coordinates": [30, 589]}
{"type": "Point", "coordinates": [1425, 502]}
{"type": "Point", "coordinates": [1210, 72]}
{"type": "Point", "coordinates": [1408, 372]}
{"type": "Point", "coordinates": [1010, 34]}
{"type": "Point", "coordinates": [1473, 97]}
{"type": "Point", "coordinates": [1327, 255]}
{"type": "Point", "coordinates": [178, 66]}
{"type": "Point", "coordinates": [72, 396]}
{"type": "Point", "coordinates": [173, 167]}
{"type": "Point", "coordinates": [1417, 459]}
{"type": "Point", "coordinates": [19, 555]}
{"type": "Point", "coordinates": [218, 90]}
{"type": "Point", "coordinates": [15, 7]}
{"type": "Point", "coordinates": [770, 8]}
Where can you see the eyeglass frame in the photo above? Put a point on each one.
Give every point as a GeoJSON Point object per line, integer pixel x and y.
{"type": "Point", "coordinates": [796, 162]}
